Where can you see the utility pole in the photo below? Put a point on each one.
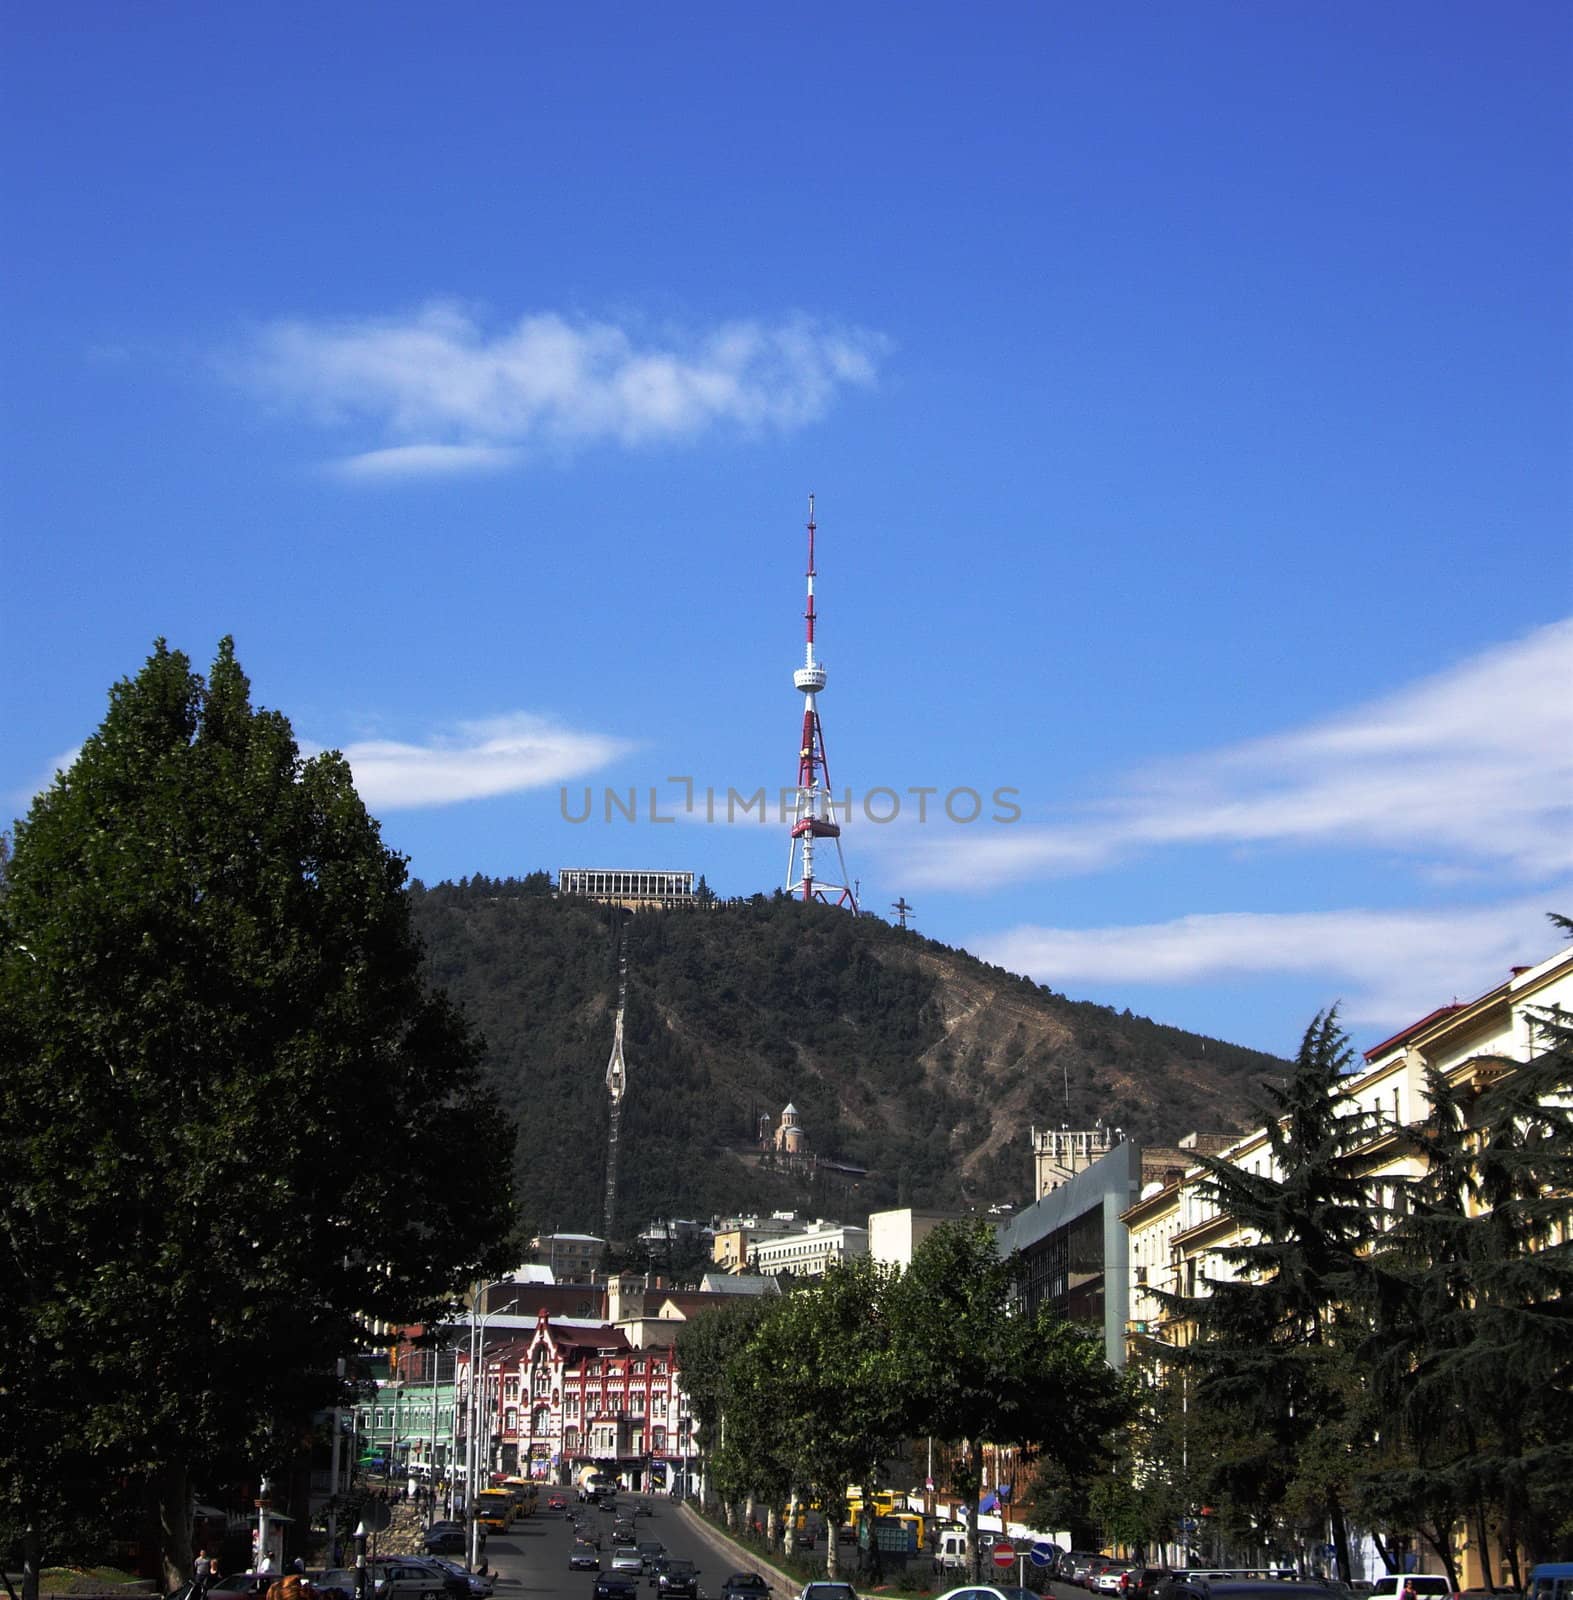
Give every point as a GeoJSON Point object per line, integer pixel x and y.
{"type": "Point", "coordinates": [903, 911]}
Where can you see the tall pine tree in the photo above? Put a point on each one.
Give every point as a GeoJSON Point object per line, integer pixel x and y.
{"type": "Point", "coordinates": [1274, 1339]}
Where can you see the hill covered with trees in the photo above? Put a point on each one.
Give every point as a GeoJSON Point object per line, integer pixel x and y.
{"type": "Point", "coordinates": [915, 1062]}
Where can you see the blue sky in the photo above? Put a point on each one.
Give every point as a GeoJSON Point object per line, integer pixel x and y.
{"type": "Point", "coordinates": [1185, 391]}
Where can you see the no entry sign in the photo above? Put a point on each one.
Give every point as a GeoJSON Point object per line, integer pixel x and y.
{"type": "Point", "coordinates": [1004, 1553]}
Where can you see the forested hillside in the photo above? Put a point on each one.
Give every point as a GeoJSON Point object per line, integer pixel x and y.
{"type": "Point", "coordinates": [904, 1057]}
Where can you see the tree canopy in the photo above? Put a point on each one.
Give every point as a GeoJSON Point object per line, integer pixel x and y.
{"type": "Point", "coordinates": [238, 1124]}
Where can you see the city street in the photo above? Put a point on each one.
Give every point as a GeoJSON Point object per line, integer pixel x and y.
{"type": "Point", "coordinates": [531, 1560]}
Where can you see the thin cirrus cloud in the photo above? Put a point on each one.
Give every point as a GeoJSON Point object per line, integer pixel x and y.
{"type": "Point", "coordinates": [436, 393]}
{"type": "Point", "coordinates": [502, 755]}
{"type": "Point", "coordinates": [1352, 950]}
{"type": "Point", "coordinates": [1470, 770]}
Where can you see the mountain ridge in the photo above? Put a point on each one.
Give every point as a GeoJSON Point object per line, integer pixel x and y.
{"type": "Point", "coordinates": [913, 1061]}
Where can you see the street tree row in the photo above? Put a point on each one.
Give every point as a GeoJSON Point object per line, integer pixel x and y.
{"type": "Point", "coordinates": [800, 1396]}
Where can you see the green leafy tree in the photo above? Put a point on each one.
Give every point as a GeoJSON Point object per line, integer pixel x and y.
{"type": "Point", "coordinates": [706, 1349]}
{"type": "Point", "coordinates": [238, 1124]}
{"type": "Point", "coordinates": [822, 1366]}
{"type": "Point", "coordinates": [1276, 1340]}
{"type": "Point", "coordinates": [972, 1368]}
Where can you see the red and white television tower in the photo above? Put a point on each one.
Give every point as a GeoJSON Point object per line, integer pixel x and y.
{"type": "Point", "coordinates": [813, 811]}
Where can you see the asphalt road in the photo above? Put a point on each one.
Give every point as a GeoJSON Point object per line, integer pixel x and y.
{"type": "Point", "coordinates": [531, 1560]}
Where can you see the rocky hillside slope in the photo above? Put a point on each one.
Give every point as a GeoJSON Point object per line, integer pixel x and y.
{"type": "Point", "coordinates": [911, 1061]}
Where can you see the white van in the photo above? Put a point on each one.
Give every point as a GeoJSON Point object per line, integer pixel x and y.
{"type": "Point", "coordinates": [1422, 1585]}
{"type": "Point", "coordinates": [950, 1551]}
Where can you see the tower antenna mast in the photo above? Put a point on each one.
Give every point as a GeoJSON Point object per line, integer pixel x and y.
{"type": "Point", "coordinates": [813, 810]}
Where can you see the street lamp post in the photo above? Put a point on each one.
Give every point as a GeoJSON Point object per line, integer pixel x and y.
{"type": "Point", "coordinates": [473, 1416]}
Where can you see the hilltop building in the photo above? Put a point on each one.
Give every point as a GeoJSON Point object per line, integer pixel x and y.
{"type": "Point", "coordinates": [635, 889]}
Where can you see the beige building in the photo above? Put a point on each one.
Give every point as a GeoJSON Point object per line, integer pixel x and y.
{"type": "Point", "coordinates": [1175, 1231]}
{"type": "Point", "coordinates": [809, 1253]}
{"type": "Point", "coordinates": [894, 1235]}
{"type": "Point", "coordinates": [572, 1257]}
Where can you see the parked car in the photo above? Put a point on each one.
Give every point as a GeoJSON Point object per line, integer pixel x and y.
{"type": "Point", "coordinates": [1072, 1566]}
{"type": "Point", "coordinates": [678, 1580]}
{"type": "Point", "coordinates": [1423, 1585]}
{"type": "Point", "coordinates": [1143, 1583]}
{"type": "Point", "coordinates": [334, 1583]}
{"type": "Point", "coordinates": [446, 1538]}
{"type": "Point", "coordinates": [1111, 1577]}
{"type": "Point", "coordinates": [412, 1578]}
{"type": "Point", "coordinates": [626, 1558]}
{"type": "Point", "coordinates": [1188, 1587]}
{"type": "Point", "coordinates": [745, 1586]}
{"type": "Point", "coordinates": [243, 1585]}
{"type": "Point", "coordinates": [480, 1585]}
{"type": "Point", "coordinates": [584, 1557]}
{"type": "Point", "coordinates": [1089, 1579]}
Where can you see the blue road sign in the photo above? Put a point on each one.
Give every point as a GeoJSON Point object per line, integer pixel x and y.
{"type": "Point", "coordinates": [1042, 1553]}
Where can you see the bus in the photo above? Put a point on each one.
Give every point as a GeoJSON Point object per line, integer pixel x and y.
{"type": "Point", "coordinates": [494, 1509]}
{"type": "Point", "coordinates": [526, 1497]}
{"type": "Point", "coordinates": [883, 1502]}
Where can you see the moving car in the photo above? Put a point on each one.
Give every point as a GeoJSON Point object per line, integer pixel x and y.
{"type": "Point", "coordinates": [989, 1591]}
{"type": "Point", "coordinates": [745, 1586]}
{"type": "Point", "coordinates": [584, 1557]}
{"type": "Point", "coordinates": [678, 1580]}
{"type": "Point", "coordinates": [650, 1551]}
{"type": "Point", "coordinates": [626, 1558]}
{"type": "Point", "coordinates": [557, 1503]}
{"type": "Point", "coordinates": [828, 1591]}
{"type": "Point", "coordinates": [615, 1586]}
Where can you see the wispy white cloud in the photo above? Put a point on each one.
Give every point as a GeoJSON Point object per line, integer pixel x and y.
{"type": "Point", "coordinates": [480, 759]}
{"type": "Point", "coordinates": [423, 461]}
{"type": "Point", "coordinates": [1469, 769]}
{"type": "Point", "coordinates": [436, 382]}
{"type": "Point", "coordinates": [21, 800]}
{"type": "Point", "coordinates": [1388, 967]}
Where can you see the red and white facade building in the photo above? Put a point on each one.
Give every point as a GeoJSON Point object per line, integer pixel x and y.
{"type": "Point", "coordinates": [573, 1393]}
